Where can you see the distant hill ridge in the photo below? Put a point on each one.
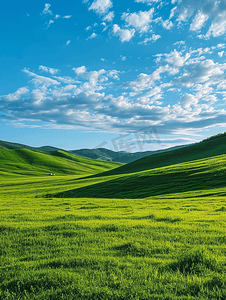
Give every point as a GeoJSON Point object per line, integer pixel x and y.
{"type": "Point", "coordinates": [121, 156]}
{"type": "Point", "coordinates": [17, 146]}
{"type": "Point", "coordinates": [97, 153]}
{"type": "Point", "coordinates": [103, 154]}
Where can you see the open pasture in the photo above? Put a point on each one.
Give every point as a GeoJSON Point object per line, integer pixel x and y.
{"type": "Point", "coordinates": [170, 246]}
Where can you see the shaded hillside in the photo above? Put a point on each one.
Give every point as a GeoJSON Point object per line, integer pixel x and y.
{"type": "Point", "coordinates": [208, 148]}
{"type": "Point", "coordinates": [204, 174]}
{"type": "Point", "coordinates": [194, 168]}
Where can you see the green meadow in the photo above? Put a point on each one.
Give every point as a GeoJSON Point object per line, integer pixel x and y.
{"type": "Point", "coordinates": [151, 229]}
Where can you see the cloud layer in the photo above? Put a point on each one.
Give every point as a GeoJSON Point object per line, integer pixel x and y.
{"type": "Point", "coordinates": [88, 99]}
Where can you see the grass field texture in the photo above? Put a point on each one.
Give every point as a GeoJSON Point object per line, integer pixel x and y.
{"type": "Point", "coordinates": [156, 233]}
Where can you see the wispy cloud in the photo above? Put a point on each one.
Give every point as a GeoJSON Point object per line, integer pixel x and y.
{"type": "Point", "coordinates": [92, 36]}
{"type": "Point", "coordinates": [46, 10]}
{"type": "Point", "coordinates": [153, 38]}
{"type": "Point", "coordinates": [109, 17]}
{"type": "Point", "coordinates": [48, 70]}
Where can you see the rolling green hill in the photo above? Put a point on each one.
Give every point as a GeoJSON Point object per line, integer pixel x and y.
{"type": "Point", "coordinates": [200, 175]}
{"type": "Point", "coordinates": [200, 167]}
{"type": "Point", "coordinates": [210, 147]}
{"type": "Point", "coordinates": [27, 162]}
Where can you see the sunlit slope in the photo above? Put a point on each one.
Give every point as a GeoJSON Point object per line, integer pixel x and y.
{"type": "Point", "coordinates": [201, 175]}
{"type": "Point", "coordinates": [27, 162]}
{"type": "Point", "coordinates": [213, 146]}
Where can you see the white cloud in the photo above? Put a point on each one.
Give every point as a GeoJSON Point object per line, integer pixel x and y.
{"type": "Point", "coordinates": [179, 43]}
{"type": "Point", "coordinates": [109, 17]}
{"type": "Point", "coordinates": [218, 27]}
{"type": "Point", "coordinates": [167, 24]}
{"type": "Point", "coordinates": [17, 95]}
{"type": "Point", "coordinates": [172, 12]}
{"type": "Point", "coordinates": [41, 80]}
{"type": "Point", "coordinates": [220, 54]}
{"type": "Point", "coordinates": [125, 35]}
{"type": "Point", "coordinates": [80, 70]}
{"type": "Point", "coordinates": [114, 74]}
{"type": "Point", "coordinates": [88, 28]}
{"type": "Point", "coordinates": [221, 46]}
{"type": "Point", "coordinates": [153, 38]}
{"type": "Point", "coordinates": [212, 10]}
{"type": "Point", "coordinates": [46, 10]}
{"type": "Point", "coordinates": [140, 21]}
{"type": "Point", "coordinates": [67, 17]}
{"type": "Point", "coordinates": [48, 70]}
{"type": "Point", "coordinates": [174, 58]}
{"type": "Point", "coordinates": [201, 72]}
{"type": "Point", "coordinates": [66, 79]}
{"type": "Point", "coordinates": [123, 57]}
{"type": "Point", "coordinates": [148, 2]}
{"type": "Point", "coordinates": [68, 42]}
{"type": "Point", "coordinates": [188, 100]}
{"type": "Point", "coordinates": [49, 23]}
{"type": "Point", "coordinates": [92, 36]}
{"type": "Point", "coordinates": [198, 21]}
{"type": "Point", "coordinates": [195, 85]}
{"type": "Point", "coordinates": [101, 6]}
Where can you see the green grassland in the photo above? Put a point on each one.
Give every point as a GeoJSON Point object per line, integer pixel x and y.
{"type": "Point", "coordinates": [156, 231]}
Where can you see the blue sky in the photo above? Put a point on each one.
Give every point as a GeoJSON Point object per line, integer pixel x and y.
{"type": "Point", "coordinates": [127, 75]}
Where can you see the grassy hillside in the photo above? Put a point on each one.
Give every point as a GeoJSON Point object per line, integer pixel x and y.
{"type": "Point", "coordinates": [204, 174]}
{"type": "Point", "coordinates": [194, 168]}
{"type": "Point", "coordinates": [208, 148]}
{"type": "Point", "coordinates": [27, 162]}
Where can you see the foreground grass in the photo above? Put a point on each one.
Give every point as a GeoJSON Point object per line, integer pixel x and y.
{"type": "Point", "coordinates": [169, 246]}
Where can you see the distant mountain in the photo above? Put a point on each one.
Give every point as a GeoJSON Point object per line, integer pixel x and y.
{"type": "Point", "coordinates": [122, 156]}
